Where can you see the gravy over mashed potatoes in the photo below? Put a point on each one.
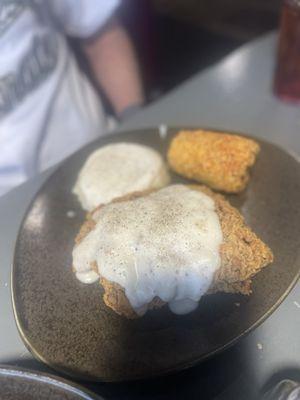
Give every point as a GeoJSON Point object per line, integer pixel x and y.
{"type": "Point", "coordinates": [118, 169]}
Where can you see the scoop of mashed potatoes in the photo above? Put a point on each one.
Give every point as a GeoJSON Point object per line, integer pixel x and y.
{"type": "Point", "coordinates": [119, 169]}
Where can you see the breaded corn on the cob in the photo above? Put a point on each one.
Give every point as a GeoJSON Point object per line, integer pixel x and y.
{"type": "Point", "coordinates": [219, 160]}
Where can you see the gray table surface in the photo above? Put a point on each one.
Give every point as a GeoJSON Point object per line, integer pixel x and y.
{"type": "Point", "coordinates": [236, 95]}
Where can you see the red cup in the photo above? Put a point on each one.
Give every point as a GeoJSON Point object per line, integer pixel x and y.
{"type": "Point", "coordinates": [287, 73]}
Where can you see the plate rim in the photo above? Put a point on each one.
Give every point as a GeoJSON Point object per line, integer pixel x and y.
{"type": "Point", "coordinates": [179, 366]}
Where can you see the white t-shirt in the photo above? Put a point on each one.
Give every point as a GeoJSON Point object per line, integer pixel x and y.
{"type": "Point", "coordinates": [48, 109]}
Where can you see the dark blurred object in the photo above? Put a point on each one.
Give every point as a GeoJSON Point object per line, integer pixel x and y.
{"type": "Point", "coordinates": [287, 75]}
{"type": "Point", "coordinates": [177, 38]}
{"type": "Point", "coordinates": [284, 390]}
{"type": "Point", "coordinates": [243, 20]}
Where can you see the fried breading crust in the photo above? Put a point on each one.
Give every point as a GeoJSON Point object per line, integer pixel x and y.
{"type": "Point", "coordinates": [243, 254]}
{"type": "Point", "coordinates": [219, 160]}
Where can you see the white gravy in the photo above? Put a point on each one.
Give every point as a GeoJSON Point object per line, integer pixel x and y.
{"type": "Point", "coordinates": [119, 169]}
{"type": "Point", "coordinates": [165, 244]}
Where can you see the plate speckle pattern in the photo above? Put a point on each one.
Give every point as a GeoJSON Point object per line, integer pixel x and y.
{"type": "Point", "coordinates": [66, 324]}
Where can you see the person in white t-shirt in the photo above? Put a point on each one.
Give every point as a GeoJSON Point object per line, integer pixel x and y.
{"type": "Point", "coordinates": [48, 108]}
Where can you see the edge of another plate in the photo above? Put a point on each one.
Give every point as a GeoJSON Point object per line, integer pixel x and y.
{"type": "Point", "coordinates": [49, 379]}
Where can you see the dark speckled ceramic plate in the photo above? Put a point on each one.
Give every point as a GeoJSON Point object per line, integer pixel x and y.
{"type": "Point", "coordinates": [21, 384]}
{"type": "Point", "coordinates": [66, 324]}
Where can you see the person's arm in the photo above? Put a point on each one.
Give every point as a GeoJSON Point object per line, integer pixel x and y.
{"type": "Point", "coordinates": [115, 67]}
